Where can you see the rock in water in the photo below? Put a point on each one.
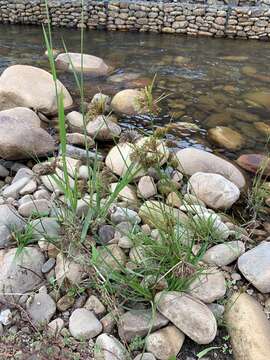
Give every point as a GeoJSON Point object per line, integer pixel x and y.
{"type": "Point", "coordinates": [226, 137]}
{"type": "Point", "coordinates": [73, 61]}
{"type": "Point", "coordinates": [193, 160]}
{"type": "Point", "coordinates": [127, 102]}
{"type": "Point", "coordinates": [254, 163]}
{"type": "Point", "coordinates": [248, 327]}
{"type": "Point", "coordinates": [20, 273]}
{"type": "Point", "coordinates": [189, 315]}
{"type": "Point", "coordinates": [255, 266]}
{"type": "Point", "coordinates": [31, 87]}
{"type": "Point", "coordinates": [214, 190]}
{"type": "Point", "coordinates": [19, 140]}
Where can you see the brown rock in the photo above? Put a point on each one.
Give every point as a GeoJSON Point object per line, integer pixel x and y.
{"type": "Point", "coordinates": [226, 137]}
{"type": "Point", "coordinates": [248, 327]}
{"type": "Point", "coordinates": [254, 162]}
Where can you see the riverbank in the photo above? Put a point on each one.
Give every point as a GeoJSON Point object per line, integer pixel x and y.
{"type": "Point", "coordinates": [243, 21]}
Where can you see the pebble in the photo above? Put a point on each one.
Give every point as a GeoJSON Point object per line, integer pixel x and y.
{"type": "Point", "coordinates": [84, 325]}
{"type": "Point", "coordinates": [41, 308]}
{"type": "Point", "coordinates": [95, 305]}
{"type": "Point", "coordinates": [224, 254]}
{"type": "Point", "coordinates": [48, 265]}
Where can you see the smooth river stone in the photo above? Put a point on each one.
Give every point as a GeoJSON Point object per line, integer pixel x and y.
{"type": "Point", "coordinates": [17, 88]}
{"type": "Point", "coordinates": [255, 266]}
{"type": "Point", "coordinates": [191, 160]}
{"type": "Point", "coordinates": [189, 315]}
{"type": "Point", "coordinates": [248, 328]}
{"type": "Point", "coordinates": [254, 163]}
{"type": "Point", "coordinates": [74, 61]}
{"type": "Point", "coordinates": [226, 137]}
{"type": "Point", "coordinates": [259, 98]}
{"type": "Point", "coordinates": [127, 102]}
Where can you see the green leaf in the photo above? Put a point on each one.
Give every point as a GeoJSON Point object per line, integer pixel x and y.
{"type": "Point", "coordinates": [206, 351]}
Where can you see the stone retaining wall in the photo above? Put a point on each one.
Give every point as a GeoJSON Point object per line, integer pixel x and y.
{"type": "Point", "coordinates": [196, 18]}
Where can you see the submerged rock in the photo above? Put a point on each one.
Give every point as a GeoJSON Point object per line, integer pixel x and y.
{"type": "Point", "coordinates": [226, 137]}
{"type": "Point", "coordinates": [73, 61]}
{"type": "Point", "coordinates": [17, 88]}
{"type": "Point", "coordinates": [254, 163]}
{"type": "Point", "coordinates": [248, 327]}
{"type": "Point", "coordinates": [214, 190]}
{"type": "Point", "coordinates": [259, 98]}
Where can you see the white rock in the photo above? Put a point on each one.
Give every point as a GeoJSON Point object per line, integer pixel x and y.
{"type": "Point", "coordinates": [73, 61]}
{"type": "Point", "coordinates": [214, 190]}
{"type": "Point", "coordinates": [84, 325]}
{"type": "Point", "coordinates": [146, 187]}
{"type": "Point", "coordinates": [224, 254]}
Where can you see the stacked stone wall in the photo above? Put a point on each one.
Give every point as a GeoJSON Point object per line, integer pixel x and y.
{"type": "Point", "coordinates": [247, 19]}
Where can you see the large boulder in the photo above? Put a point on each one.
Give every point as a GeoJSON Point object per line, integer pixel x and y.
{"type": "Point", "coordinates": [21, 140]}
{"type": "Point", "coordinates": [88, 63]}
{"type": "Point", "coordinates": [20, 272]}
{"type": "Point", "coordinates": [214, 190]}
{"type": "Point", "coordinates": [31, 87]}
{"type": "Point", "coordinates": [127, 102]}
{"type": "Point", "coordinates": [191, 160]}
{"type": "Point", "coordinates": [255, 266]}
{"type": "Point", "coordinates": [24, 114]}
{"type": "Point", "coordinates": [248, 327]}
{"type": "Point", "coordinates": [188, 314]}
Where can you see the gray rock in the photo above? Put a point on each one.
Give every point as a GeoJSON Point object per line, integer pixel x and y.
{"type": "Point", "coordinates": [119, 214]}
{"type": "Point", "coordinates": [138, 322]}
{"type": "Point", "coordinates": [41, 308]}
{"type": "Point", "coordinates": [14, 189]}
{"type": "Point", "coordinates": [84, 325]}
{"type": "Point", "coordinates": [9, 220]}
{"type": "Point", "coordinates": [106, 233]}
{"type": "Point", "coordinates": [3, 171]}
{"type": "Point", "coordinates": [165, 343]}
{"type": "Point", "coordinates": [23, 172]}
{"type": "Point", "coordinates": [102, 128]}
{"type": "Point", "coordinates": [95, 305]}
{"type": "Point", "coordinates": [189, 315]}
{"type": "Point", "coordinates": [45, 228]}
{"type": "Point", "coordinates": [145, 356]}
{"type": "Point", "coordinates": [109, 348]}
{"type": "Point", "coordinates": [18, 140]}
{"type": "Point", "coordinates": [208, 286]}
{"type": "Point", "coordinates": [48, 265]}
{"type": "Point", "coordinates": [255, 266]}
{"type": "Point", "coordinates": [224, 254]}
{"type": "Point", "coordinates": [20, 273]}
{"type": "Point", "coordinates": [38, 207]}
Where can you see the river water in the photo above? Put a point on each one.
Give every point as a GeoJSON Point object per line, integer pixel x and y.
{"type": "Point", "coordinates": [209, 82]}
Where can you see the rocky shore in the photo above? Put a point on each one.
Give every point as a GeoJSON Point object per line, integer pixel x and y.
{"type": "Point", "coordinates": [163, 259]}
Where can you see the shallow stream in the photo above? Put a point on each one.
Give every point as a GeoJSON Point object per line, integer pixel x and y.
{"type": "Point", "coordinates": [210, 82]}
